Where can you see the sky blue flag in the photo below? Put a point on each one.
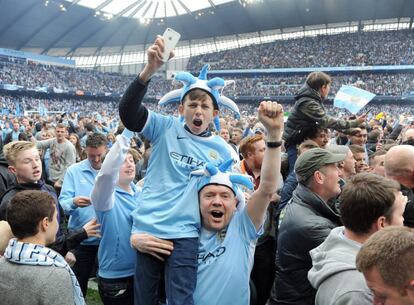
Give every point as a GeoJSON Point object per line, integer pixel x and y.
{"type": "Point", "coordinates": [352, 98]}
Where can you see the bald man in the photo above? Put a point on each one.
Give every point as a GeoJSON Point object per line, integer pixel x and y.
{"type": "Point", "coordinates": [408, 137]}
{"type": "Point", "coordinates": [399, 166]}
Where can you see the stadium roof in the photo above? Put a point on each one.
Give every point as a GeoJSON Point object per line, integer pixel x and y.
{"type": "Point", "coordinates": [146, 10]}
{"type": "Point", "coordinates": [46, 25]}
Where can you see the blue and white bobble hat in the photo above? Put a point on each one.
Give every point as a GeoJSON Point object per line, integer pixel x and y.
{"type": "Point", "coordinates": [221, 176]}
{"type": "Point", "coordinates": [212, 87]}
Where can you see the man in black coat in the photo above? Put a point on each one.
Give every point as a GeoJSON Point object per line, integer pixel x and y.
{"type": "Point", "coordinates": [305, 223]}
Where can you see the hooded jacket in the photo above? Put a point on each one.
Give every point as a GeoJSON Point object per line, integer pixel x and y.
{"type": "Point", "coordinates": [7, 179]}
{"type": "Point", "coordinates": [309, 113]}
{"type": "Point", "coordinates": [334, 273]}
{"type": "Point", "coordinates": [304, 224]}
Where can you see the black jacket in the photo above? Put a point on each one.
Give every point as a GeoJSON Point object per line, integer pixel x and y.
{"type": "Point", "coordinates": [307, 115]}
{"type": "Point", "coordinates": [409, 208]}
{"type": "Point", "coordinates": [7, 179]}
{"type": "Point", "coordinates": [131, 111]}
{"type": "Point", "coordinates": [304, 224]}
{"type": "Point", "coordinates": [65, 241]}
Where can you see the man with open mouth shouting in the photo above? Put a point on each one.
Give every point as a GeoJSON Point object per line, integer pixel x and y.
{"type": "Point", "coordinates": [178, 148]}
{"type": "Point", "coordinates": [230, 228]}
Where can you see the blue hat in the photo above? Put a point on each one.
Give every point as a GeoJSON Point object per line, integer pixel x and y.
{"type": "Point", "coordinates": [212, 87]}
{"type": "Point", "coordinates": [221, 176]}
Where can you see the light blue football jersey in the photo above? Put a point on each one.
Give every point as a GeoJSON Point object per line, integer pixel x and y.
{"type": "Point", "coordinates": [225, 263]}
{"type": "Point", "coordinates": [166, 209]}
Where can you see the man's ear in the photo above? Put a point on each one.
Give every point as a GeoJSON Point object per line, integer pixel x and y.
{"type": "Point", "coordinates": [44, 224]}
{"type": "Point", "coordinates": [236, 203]}
{"type": "Point", "coordinates": [215, 112]}
{"type": "Point", "coordinates": [181, 109]}
{"type": "Point", "coordinates": [12, 169]}
{"type": "Point", "coordinates": [380, 223]}
{"type": "Point", "coordinates": [318, 177]}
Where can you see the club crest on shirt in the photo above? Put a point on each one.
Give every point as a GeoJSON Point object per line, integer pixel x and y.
{"type": "Point", "coordinates": [213, 154]}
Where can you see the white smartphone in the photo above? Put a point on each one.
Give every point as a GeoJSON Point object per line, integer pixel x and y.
{"type": "Point", "coordinates": [171, 39]}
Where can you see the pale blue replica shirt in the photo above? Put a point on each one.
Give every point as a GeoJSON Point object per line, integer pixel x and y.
{"type": "Point", "coordinates": [78, 181]}
{"type": "Point", "coordinates": [113, 207]}
{"type": "Point", "coordinates": [225, 260]}
{"type": "Point", "coordinates": [164, 210]}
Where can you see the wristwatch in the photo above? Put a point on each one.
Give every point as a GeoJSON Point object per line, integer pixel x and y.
{"type": "Point", "coordinates": [274, 144]}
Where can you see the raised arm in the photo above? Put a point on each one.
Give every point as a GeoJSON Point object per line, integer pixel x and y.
{"type": "Point", "coordinates": [133, 114]}
{"type": "Point", "coordinates": [317, 113]}
{"type": "Point", "coordinates": [103, 192]}
{"type": "Point", "coordinates": [44, 143]}
{"type": "Point", "coordinates": [271, 116]}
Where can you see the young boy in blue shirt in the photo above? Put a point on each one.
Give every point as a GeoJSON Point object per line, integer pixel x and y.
{"type": "Point", "coordinates": [177, 149]}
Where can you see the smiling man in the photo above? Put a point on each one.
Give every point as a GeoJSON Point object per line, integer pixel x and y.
{"type": "Point", "coordinates": [75, 199]}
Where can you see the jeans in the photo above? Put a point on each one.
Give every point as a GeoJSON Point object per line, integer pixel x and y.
{"type": "Point", "coordinates": [85, 263]}
{"type": "Point", "coordinates": [118, 291]}
{"type": "Point", "coordinates": [180, 275]}
{"type": "Point", "coordinates": [292, 153]}
{"type": "Point", "coordinates": [264, 268]}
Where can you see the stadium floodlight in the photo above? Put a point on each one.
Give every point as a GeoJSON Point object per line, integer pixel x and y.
{"type": "Point", "coordinates": [108, 16]}
{"type": "Point", "coordinates": [144, 21]}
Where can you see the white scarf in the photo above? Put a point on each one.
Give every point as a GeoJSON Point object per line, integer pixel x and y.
{"type": "Point", "coordinates": [31, 254]}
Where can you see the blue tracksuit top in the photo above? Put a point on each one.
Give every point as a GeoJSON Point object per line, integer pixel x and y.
{"type": "Point", "coordinates": [78, 181]}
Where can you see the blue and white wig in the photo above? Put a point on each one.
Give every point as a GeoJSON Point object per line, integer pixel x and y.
{"type": "Point", "coordinates": [222, 176]}
{"type": "Point", "coordinates": [212, 87]}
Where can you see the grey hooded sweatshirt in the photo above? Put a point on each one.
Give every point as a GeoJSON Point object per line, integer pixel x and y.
{"type": "Point", "coordinates": [334, 273]}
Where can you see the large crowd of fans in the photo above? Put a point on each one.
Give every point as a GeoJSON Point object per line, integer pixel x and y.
{"type": "Point", "coordinates": [349, 49]}
{"type": "Point", "coordinates": [31, 76]}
